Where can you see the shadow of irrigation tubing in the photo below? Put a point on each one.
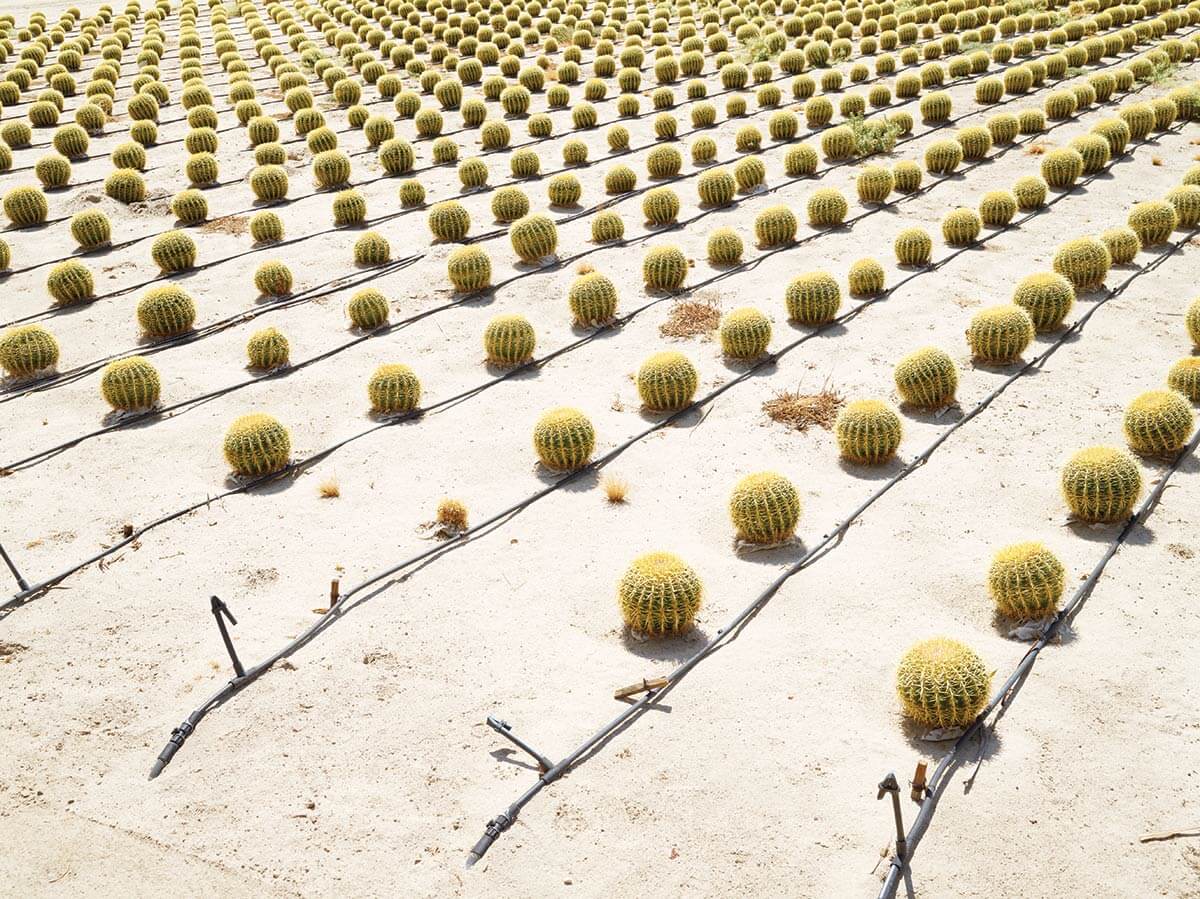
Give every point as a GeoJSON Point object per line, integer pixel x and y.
{"type": "Point", "coordinates": [505, 819]}
{"type": "Point", "coordinates": [939, 782]}
{"type": "Point", "coordinates": [811, 132]}
{"type": "Point", "coordinates": [767, 360]}
{"type": "Point", "coordinates": [346, 602]}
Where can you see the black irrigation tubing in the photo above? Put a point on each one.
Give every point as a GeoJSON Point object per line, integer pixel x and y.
{"type": "Point", "coordinates": [979, 729]}
{"type": "Point", "coordinates": [829, 541]}
{"type": "Point", "coordinates": [21, 582]}
{"type": "Point", "coordinates": [236, 684]}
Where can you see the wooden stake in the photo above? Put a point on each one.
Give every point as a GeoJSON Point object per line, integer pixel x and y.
{"type": "Point", "coordinates": [644, 685]}
{"type": "Point", "coordinates": [918, 782]}
{"type": "Point", "coordinates": [334, 587]}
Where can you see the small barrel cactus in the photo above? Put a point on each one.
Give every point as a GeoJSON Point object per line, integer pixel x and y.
{"type": "Point", "coordinates": [1101, 484]}
{"type": "Point", "coordinates": [1186, 200]}
{"type": "Point", "coordinates": [942, 683]}
{"type": "Point", "coordinates": [533, 237]}
{"type": "Point", "coordinates": [775, 226]}
{"type": "Point", "coordinates": [372, 249]}
{"type": "Point", "coordinates": [660, 206]}
{"type": "Point", "coordinates": [745, 333]}
{"type": "Point", "coordinates": [1061, 168]}
{"type": "Point", "coordinates": [469, 269]}
{"type": "Point", "coordinates": [907, 176]}
{"type": "Point", "coordinates": [190, 206]}
{"type": "Point", "coordinates": [927, 378]}
{"type": "Point", "coordinates": [125, 186]}
{"type": "Point", "coordinates": [257, 445]}
{"type": "Point", "coordinates": [813, 298]}
{"type": "Point", "coordinates": [716, 187]}
{"type": "Point", "coordinates": [607, 226]}
{"type": "Point", "coordinates": [1047, 297]}
{"type": "Point", "coordinates": [826, 208]}
{"type": "Point", "coordinates": [273, 279]}
{"type": "Point", "coordinates": [393, 390]}
{"type": "Point", "coordinates": [349, 208]}
{"type": "Point", "coordinates": [509, 340]}
{"type": "Point", "coordinates": [664, 268]}
{"type": "Point", "coordinates": [1158, 423]}
{"type": "Point", "coordinates": [975, 142]}
{"type": "Point", "coordinates": [997, 208]}
{"type": "Point", "coordinates": [800, 161]}
{"type": "Point", "coordinates": [331, 169]}
{"type": "Point", "coordinates": [368, 309]}
{"type": "Point", "coordinates": [27, 350]}
{"type": "Point", "coordinates": [449, 221]}
{"type": "Point", "coordinates": [913, 246]}
{"type": "Point", "coordinates": [1184, 377]}
{"type": "Point", "coordinates": [53, 171]}
{"type": "Point", "coordinates": [1093, 150]}
{"type": "Point", "coordinates": [592, 299]}
{"type": "Point", "coordinates": [509, 204]}
{"type": "Point", "coordinates": [868, 432]}
{"type": "Point", "coordinates": [765, 508]}
{"type": "Point", "coordinates": [267, 349]}
{"type": "Point", "coordinates": [1000, 334]}
{"type": "Point", "coordinates": [874, 183]}
{"type": "Point", "coordinates": [130, 384]}
{"type": "Point", "coordinates": [667, 381]}
{"type": "Point", "coordinates": [749, 173]}
{"type": "Point", "coordinates": [166, 311]}
{"type": "Point", "coordinates": [91, 229]}
{"type": "Point", "coordinates": [564, 439]}
{"type": "Point", "coordinates": [1026, 581]}
{"type": "Point", "coordinates": [961, 227]}
{"type": "Point", "coordinates": [26, 207]}
{"type": "Point", "coordinates": [564, 190]}
{"type": "Point", "coordinates": [725, 247]}
{"type": "Point", "coordinates": [1191, 321]}
{"type": "Point", "coordinates": [70, 282]}
{"type": "Point", "coordinates": [1153, 221]}
{"type": "Point", "coordinates": [866, 278]}
{"type": "Point", "coordinates": [1085, 262]}
{"type": "Point", "coordinates": [266, 227]}
{"type": "Point", "coordinates": [173, 251]}
{"type": "Point", "coordinates": [660, 595]}
{"type": "Point", "coordinates": [1030, 193]}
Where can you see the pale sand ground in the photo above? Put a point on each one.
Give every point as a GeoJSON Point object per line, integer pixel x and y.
{"type": "Point", "coordinates": [368, 769]}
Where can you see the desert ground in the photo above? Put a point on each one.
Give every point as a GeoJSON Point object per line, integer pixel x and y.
{"type": "Point", "coordinates": [361, 763]}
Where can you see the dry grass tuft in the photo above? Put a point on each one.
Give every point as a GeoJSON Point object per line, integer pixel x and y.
{"type": "Point", "coordinates": [584, 268]}
{"type": "Point", "coordinates": [1156, 160]}
{"type": "Point", "coordinates": [1037, 149]}
{"type": "Point", "coordinates": [803, 410]}
{"type": "Point", "coordinates": [615, 489]}
{"type": "Point", "coordinates": [452, 515]}
{"type": "Point", "coordinates": [329, 489]}
{"type": "Point", "coordinates": [236, 225]}
{"type": "Point", "coordinates": [691, 319]}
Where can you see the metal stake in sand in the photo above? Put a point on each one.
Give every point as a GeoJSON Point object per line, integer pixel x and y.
{"type": "Point", "coordinates": [890, 785]}
{"type": "Point", "coordinates": [220, 609]}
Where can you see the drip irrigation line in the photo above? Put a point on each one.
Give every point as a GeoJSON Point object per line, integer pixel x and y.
{"type": "Point", "coordinates": [979, 729]}
{"type": "Point", "coordinates": [505, 819]}
{"type": "Point", "coordinates": [346, 603]}
{"type": "Point", "coordinates": [21, 582]}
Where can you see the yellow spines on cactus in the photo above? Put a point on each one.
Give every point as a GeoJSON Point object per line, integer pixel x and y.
{"type": "Point", "coordinates": [868, 432]}
{"type": "Point", "coordinates": [667, 381]}
{"type": "Point", "coordinates": [927, 378]}
{"type": "Point", "coordinates": [660, 595]}
{"type": "Point", "coordinates": [826, 208]}
{"type": "Point", "coordinates": [907, 176]}
{"type": "Point", "coordinates": [1000, 334]}
{"type": "Point", "coordinates": [564, 190]}
{"type": "Point", "coordinates": [749, 173]}
{"type": "Point", "coordinates": [130, 384]}
{"type": "Point", "coordinates": [913, 246]}
{"type": "Point", "coordinates": [775, 226]}
{"type": "Point", "coordinates": [725, 247]}
{"type": "Point", "coordinates": [716, 187]}
{"type": "Point", "coordinates": [1061, 168]}
{"type": "Point", "coordinates": [190, 206]}
{"type": "Point", "coordinates": [125, 186]}
{"type": "Point", "coordinates": [331, 168]}
{"type": "Point", "coordinates": [660, 206]}
{"type": "Point", "coordinates": [745, 333]}
{"type": "Point", "coordinates": [664, 268]}
{"type": "Point", "coordinates": [592, 299]}
{"type": "Point", "coordinates": [349, 207]}
{"type": "Point", "coordinates": [91, 229]}
{"type": "Point", "coordinates": [800, 160]}
{"type": "Point", "coordinates": [509, 204]}
{"type": "Point", "coordinates": [469, 269]}
{"type": "Point", "coordinates": [1101, 484]}
{"type": "Point", "coordinates": [874, 183]}
{"type": "Point", "coordinates": [765, 508]}
{"type": "Point", "coordinates": [26, 207]}
{"type": "Point", "coordinates": [53, 171]}
{"type": "Point", "coordinates": [813, 298]}
{"type": "Point", "coordinates": [269, 182]}
{"type": "Point", "coordinates": [607, 226]}
{"type": "Point", "coordinates": [1123, 244]}
{"type": "Point", "coordinates": [509, 340]}
{"type": "Point", "coordinates": [1026, 581]}
{"type": "Point", "coordinates": [1094, 150]}
{"type": "Point", "coordinates": [368, 309]}
{"type": "Point", "coordinates": [533, 237]}
{"type": "Point", "coordinates": [961, 227]}
{"type": "Point", "coordinates": [1047, 297]}
{"type": "Point", "coordinates": [1084, 262]}
{"type": "Point", "coordinates": [997, 208]}
{"type": "Point", "coordinates": [866, 278]}
{"type": "Point", "coordinates": [257, 445]}
{"type": "Point", "coordinates": [943, 156]}
{"type": "Point", "coordinates": [449, 220]}
{"type": "Point", "coordinates": [564, 439]}
{"type": "Point", "coordinates": [70, 282]}
{"type": "Point", "coordinates": [1191, 321]}
{"type": "Point", "coordinates": [1030, 193]}
{"type": "Point", "coordinates": [1158, 423]}
{"type": "Point", "coordinates": [1186, 200]}
{"type": "Point", "coordinates": [393, 390]}
{"type": "Point", "coordinates": [1184, 377]}
{"type": "Point", "coordinates": [372, 249]}
{"type": "Point", "coordinates": [838, 143]}
{"type": "Point", "coordinates": [26, 350]}
{"type": "Point", "coordinates": [267, 349]}
{"type": "Point", "coordinates": [942, 683]}
{"type": "Point", "coordinates": [173, 251]}
{"type": "Point", "coordinates": [1153, 221]}
{"type": "Point", "coordinates": [166, 311]}
{"type": "Point", "coordinates": [273, 278]}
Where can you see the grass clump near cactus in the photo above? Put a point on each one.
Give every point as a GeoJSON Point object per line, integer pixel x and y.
{"type": "Point", "coordinates": [1085, 262]}
{"type": "Point", "coordinates": [393, 390]}
{"type": "Point", "coordinates": [667, 381]}
{"type": "Point", "coordinates": [1153, 221]}
{"type": "Point", "coordinates": [775, 226]}
{"type": "Point", "coordinates": [664, 268]}
{"type": "Point", "coordinates": [942, 683]}
{"type": "Point", "coordinates": [1158, 423]}
{"type": "Point", "coordinates": [166, 311]}
{"type": "Point", "coordinates": [813, 298]}
{"type": "Point", "coordinates": [533, 237]}
{"type": "Point", "coordinates": [469, 269]}
{"type": "Point", "coordinates": [130, 384]}
{"type": "Point", "coordinates": [509, 340]}
{"type": "Point", "coordinates": [564, 439]}
{"type": "Point", "coordinates": [660, 595]}
{"type": "Point", "coordinates": [26, 207]}
{"type": "Point", "coordinates": [69, 283]}
{"type": "Point", "coordinates": [765, 508]}
{"type": "Point", "coordinates": [368, 309]}
{"type": "Point", "coordinates": [27, 350]}
{"type": "Point", "coordinates": [868, 432]}
{"type": "Point", "coordinates": [592, 299]}
{"type": "Point", "coordinates": [1047, 297]}
{"type": "Point", "coordinates": [173, 251]}
{"type": "Point", "coordinates": [257, 445]}
{"type": "Point", "coordinates": [1101, 484]}
{"type": "Point", "coordinates": [1026, 581]}
{"type": "Point", "coordinates": [1000, 334]}
{"type": "Point", "coordinates": [745, 333]}
{"type": "Point", "coordinates": [449, 221]}
{"type": "Point", "coordinates": [273, 279]}
{"type": "Point", "coordinates": [267, 350]}
{"type": "Point", "coordinates": [1184, 377]}
{"type": "Point", "coordinates": [927, 378]}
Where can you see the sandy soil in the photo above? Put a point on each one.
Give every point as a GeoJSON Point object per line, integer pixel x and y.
{"type": "Point", "coordinates": [364, 766]}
